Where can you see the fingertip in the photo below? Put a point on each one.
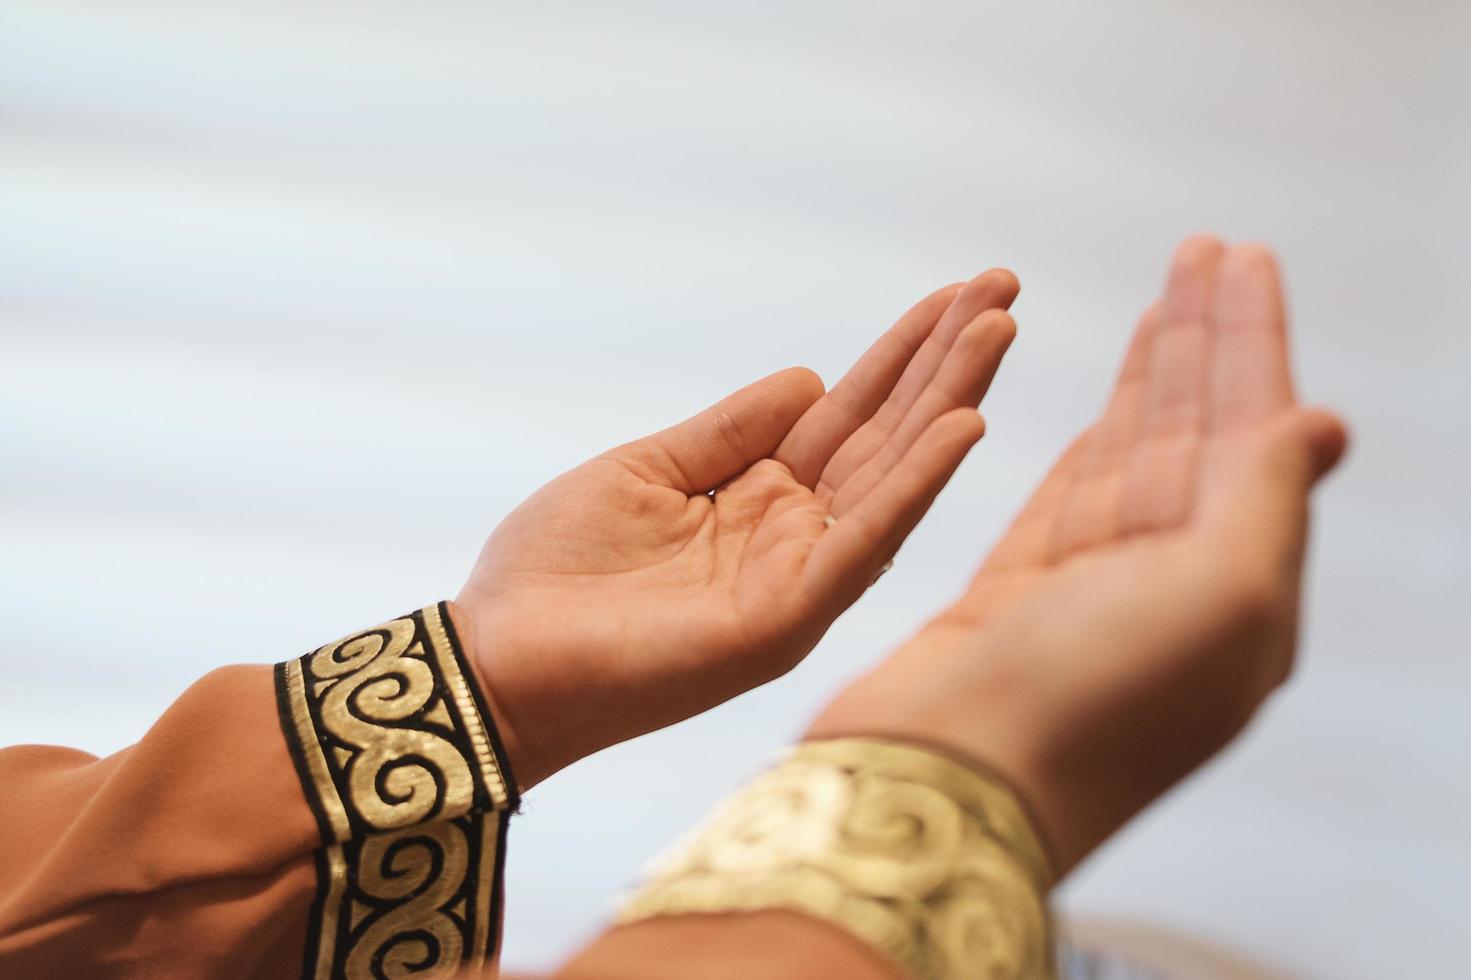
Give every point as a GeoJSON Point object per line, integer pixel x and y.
{"type": "Point", "coordinates": [991, 329]}
{"type": "Point", "coordinates": [1327, 437]}
{"type": "Point", "coordinates": [944, 295]}
{"type": "Point", "coordinates": [967, 423]}
{"type": "Point", "coordinates": [999, 285]}
{"type": "Point", "coordinates": [1250, 262]}
{"type": "Point", "coordinates": [980, 427]}
{"type": "Point", "coordinates": [1005, 280]}
{"type": "Point", "coordinates": [1000, 324]}
{"type": "Point", "coordinates": [805, 383]}
{"type": "Point", "coordinates": [1190, 284]}
{"type": "Point", "coordinates": [920, 318]}
{"type": "Point", "coordinates": [1193, 265]}
{"type": "Point", "coordinates": [1198, 247]}
{"type": "Point", "coordinates": [1254, 253]}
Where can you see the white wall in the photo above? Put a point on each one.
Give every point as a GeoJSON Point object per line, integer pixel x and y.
{"type": "Point", "coordinates": [294, 304]}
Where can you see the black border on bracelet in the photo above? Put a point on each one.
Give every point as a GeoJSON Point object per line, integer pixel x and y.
{"type": "Point", "coordinates": [472, 681]}
{"type": "Point", "coordinates": [285, 716]}
{"type": "Point", "coordinates": [496, 930]}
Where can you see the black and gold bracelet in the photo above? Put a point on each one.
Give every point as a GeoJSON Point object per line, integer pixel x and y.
{"type": "Point", "coordinates": [400, 761]}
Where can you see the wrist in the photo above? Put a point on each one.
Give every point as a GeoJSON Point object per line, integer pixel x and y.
{"type": "Point", "coordinates": [399, 762]}
{"type": "Point", "coordinates": [526, 770]}
{"type": "Point", "coordinates": [930, 863]}
{"type": "Point", "coordinates": [982, 725]}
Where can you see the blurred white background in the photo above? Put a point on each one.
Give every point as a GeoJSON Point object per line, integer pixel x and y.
{"type": "Point", "coordinates": [295, 304]}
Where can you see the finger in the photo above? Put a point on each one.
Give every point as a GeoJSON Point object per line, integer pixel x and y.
{"type": "Point", "coordinates": [1028, 541]}
{"type": "Point", "coordinates": [1251, 378]}
{"type": "Point", "coordinates": [1159, 487]}
{"type": "Point", "coordinates": [1262, 505]}
{"type": "Point", "coordinates": [704, 451]}
{"type": "Point", "coordinates": [961, 382]}
{"type": "Point", "coordinates": [1092, 511]}
{"type": "Point", "coordinates": [995, 288]}
{"type": "Point", "coordinates": [849, 554]}
{"type": "Point", "coordinates": [854, 399]}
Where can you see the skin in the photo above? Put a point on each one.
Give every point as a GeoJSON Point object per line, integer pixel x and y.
{"type": "Point", "coordinates": [1131, 621]}
{"type": "Point", "coordinates": [672, 573]}
{"type": "Point", "coordinates": [770, 945]}
{"type": "Point", "coordinates": [1145, 601]}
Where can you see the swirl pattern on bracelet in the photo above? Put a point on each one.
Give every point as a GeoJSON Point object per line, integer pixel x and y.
{"type": "Point", "coordinates": [916, 855]}
{"type": "Point", "coordinates": [403, 769]}
{"type": "Point", "coordinates": [388, 731]}
{"type": "Point", "coordinates": [422, 902]}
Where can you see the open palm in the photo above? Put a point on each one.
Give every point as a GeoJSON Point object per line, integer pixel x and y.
{"type": "Point", "coordinates": [1145, 600]}
{"type": "Point", "coordinates": [673, 572]}
{"type": "Point", "coordinates": [1204, 390]}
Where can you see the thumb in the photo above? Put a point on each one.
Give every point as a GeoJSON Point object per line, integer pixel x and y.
{"type": "Point", "coordinates": [1305, 446]}
{"type": "Point", "coordinates": [1267, 498]}
{"type": "Point", "coordinates": [705, 450]}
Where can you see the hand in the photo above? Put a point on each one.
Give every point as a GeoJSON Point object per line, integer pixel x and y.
{"type": "Point", "coordinates": [1145, 601]}
{"type": "Point", "coordinates": [672, 573]}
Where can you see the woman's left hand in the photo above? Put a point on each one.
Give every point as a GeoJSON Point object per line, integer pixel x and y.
{"type": "Point", "coordinates": [672, 573]}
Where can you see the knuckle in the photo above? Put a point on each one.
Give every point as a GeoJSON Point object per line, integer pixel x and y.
{"type": "Point", "coordinates": [730, 431]}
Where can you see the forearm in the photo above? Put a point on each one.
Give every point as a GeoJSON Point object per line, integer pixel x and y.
{"type": "Point", "coordinates": [199, 829]}
{"type": "Point", "coordinates": [855, 857]}
{"type": "Point", "coordinates": [775, 945]}
{"type": "Point", "coordinates": [326, 811]}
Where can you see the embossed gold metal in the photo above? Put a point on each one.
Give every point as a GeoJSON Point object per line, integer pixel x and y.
{"type": "Point", "coordinates": [923, 858]}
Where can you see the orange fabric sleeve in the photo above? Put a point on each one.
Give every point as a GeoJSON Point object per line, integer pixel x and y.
{"type": "Point", "coordinates": [341, 815]}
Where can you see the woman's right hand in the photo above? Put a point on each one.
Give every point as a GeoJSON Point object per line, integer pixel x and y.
{"type": "Point", "coordinates": [1145, 602]}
